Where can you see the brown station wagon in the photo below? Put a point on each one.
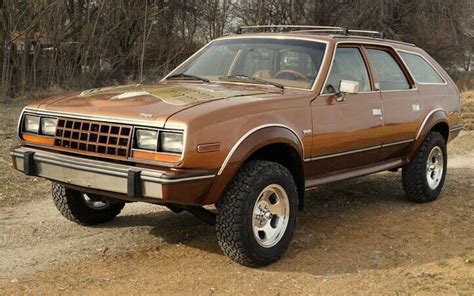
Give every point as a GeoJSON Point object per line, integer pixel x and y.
{"type": "Point", "coordinates": [247, 124]}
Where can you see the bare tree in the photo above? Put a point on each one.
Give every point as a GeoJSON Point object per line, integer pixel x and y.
{"type": "Point", "coordinates": [86, 43]}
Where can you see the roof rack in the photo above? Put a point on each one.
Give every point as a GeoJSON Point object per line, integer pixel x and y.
{"type": "Point", "coordinates": [376, 39]}
{"type": "Point", "coordinates": [312, 29]}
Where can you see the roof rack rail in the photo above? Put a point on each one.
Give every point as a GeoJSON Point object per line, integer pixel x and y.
{"type": "Point", "coordinates": [311, 29]}
{"type": "Point", "coordinates": [274, 27]}
{"type": "Point", "coordinates": [376, 39]}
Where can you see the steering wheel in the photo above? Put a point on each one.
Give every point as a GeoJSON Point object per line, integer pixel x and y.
{"type": "Point", "coordinates": [292, 72]}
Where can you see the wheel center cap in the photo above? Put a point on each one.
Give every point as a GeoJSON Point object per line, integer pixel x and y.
{"type": "Point", "coordinates": [264, 214]}
{"type": "Point", "coordinates": [268, 215]}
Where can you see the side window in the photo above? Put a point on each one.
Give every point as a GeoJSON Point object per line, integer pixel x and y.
{"type": "Point", "coordinates": [421, 70]}
{"type": "Point", "coordinates": [390, 75]}
{"type": "Point", "coordinates": [348, 65]}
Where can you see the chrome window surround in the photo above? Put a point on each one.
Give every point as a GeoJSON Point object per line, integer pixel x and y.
{"type": "Point", "coordinates": [429, 63]}
{"type": "Point", "coordinates": [368, 42]}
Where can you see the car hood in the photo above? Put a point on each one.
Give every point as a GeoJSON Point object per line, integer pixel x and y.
{"type": "Point", "coordinates": [155, 102]}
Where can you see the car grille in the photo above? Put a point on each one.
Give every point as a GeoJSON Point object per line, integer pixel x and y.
{"type": "Point", "coordinates": [93, 138]}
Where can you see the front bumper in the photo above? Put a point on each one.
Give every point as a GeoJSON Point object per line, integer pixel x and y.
{"type": "Point", "coordinates": [128, 181]}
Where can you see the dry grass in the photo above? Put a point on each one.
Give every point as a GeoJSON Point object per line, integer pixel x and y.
{"type": "Point", "coordinates": [467, 110]}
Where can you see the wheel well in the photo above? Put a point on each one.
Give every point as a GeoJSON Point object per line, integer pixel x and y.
{"type": "Point", "coordinates": [288, 157]}
{"type": "Point", "coordinates": [443, 129]}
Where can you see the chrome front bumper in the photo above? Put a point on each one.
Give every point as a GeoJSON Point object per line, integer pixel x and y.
{"type": "Point", "coordinates": [98, 175]}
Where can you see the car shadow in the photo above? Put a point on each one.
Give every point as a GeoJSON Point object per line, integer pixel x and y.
{"type": "Point", "coordinates": [354, 225]}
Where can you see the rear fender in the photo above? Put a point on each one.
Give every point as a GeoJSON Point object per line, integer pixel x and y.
{"type": "Point", "coordinates": [432, 119]}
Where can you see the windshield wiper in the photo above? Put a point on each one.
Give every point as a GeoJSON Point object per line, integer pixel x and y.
{"type": "Point", "coordinates": [189, 76]}
{"type": "Point", "coordinates": [246, 78]}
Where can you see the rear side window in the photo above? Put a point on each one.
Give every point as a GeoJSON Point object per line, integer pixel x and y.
{"type": "Point", "coordinates": [348, 65]}
{"type": "Point", "coordinates": [389, 73]}
{"type": "Point", "coordinates": [422, 71]}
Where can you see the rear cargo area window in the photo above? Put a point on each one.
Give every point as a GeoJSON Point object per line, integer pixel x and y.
{"type": "Point", "coordinates": [421, 70]}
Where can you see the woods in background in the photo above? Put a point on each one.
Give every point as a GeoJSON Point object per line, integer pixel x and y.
{"type": "Point", "coordinates": [76, 44]}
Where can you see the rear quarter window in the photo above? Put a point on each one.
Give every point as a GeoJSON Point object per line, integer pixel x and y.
{"type": "Point", "coordinates": [421, 70]}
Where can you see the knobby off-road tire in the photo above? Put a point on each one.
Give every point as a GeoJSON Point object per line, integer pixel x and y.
{"type": "Point", "coordinates": [424, 177]}
{"type": "Point", "coordinates": [260, 187]}
{"type": "Point", "coordinates": [73, 206]}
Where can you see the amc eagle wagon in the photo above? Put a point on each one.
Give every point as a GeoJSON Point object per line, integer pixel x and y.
{"type": "Point", "coordinates": [239, 131]}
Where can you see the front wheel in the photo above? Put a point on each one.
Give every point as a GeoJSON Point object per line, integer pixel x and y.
{"type": "Point", "coordinates": [257, 214]}
{"type": "Point", "coordinates": [423, 178]}
{"type": "Point", "coordinates": [84, 209]}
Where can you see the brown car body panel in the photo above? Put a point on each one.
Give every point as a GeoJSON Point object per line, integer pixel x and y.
{"type": "Point", "coordinates": [332, 140]}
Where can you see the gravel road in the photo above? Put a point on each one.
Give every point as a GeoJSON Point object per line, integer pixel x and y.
{"type": "Point", "coordinates": [358, 236]}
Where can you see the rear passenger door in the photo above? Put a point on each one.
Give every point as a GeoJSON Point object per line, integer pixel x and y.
{"type": "Point", "coordinates": [401, 102]}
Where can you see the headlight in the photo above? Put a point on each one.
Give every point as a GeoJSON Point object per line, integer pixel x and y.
{"type": "Point", "coordinates": [171, 142]}
{"type": "Point", "coordinates": [147, 139]}
{"type": "Point", "coordinates": [31, 124]}
{"type": "Point", "coordinates": [48, 126]}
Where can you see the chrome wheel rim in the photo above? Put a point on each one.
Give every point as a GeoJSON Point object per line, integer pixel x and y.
{"type": "Point", "coordinates": [435, 167]}
{"type": "Point", "coordinates": [270, 215]}
{"type": "Point", "coordinates": [94, 203]}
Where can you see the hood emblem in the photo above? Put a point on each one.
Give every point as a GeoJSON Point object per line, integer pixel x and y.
{"type": "Point", "coordinates": [146, 115]}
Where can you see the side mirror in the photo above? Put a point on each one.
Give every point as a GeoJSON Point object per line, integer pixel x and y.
{"type": "Point", "coordinates": [347, 87]}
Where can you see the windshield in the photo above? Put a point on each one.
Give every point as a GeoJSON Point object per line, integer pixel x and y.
{"type": "Point", "coordinates": [290, 63]}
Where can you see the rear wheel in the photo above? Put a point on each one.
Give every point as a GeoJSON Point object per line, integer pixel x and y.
{"type": "Point", "coordinates": [84, 209]}
{"type": "Point", "coordinates": [424, 177]}
{"type": "Point", "coordinates": [257, 214]}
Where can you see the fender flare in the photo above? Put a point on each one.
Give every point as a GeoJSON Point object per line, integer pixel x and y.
{"type": "Point", "coordinates": [433, 118]}
{"type": "Point", "coordinates": [251, 133]}
{"type": "Point", "coordinates": [248, 144]}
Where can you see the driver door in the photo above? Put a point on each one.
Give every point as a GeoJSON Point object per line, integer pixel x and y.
{"type": "Point", "coordinates": [346, 133]}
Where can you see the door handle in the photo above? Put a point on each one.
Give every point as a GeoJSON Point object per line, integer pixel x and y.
{"type": "Point", "coordinates": [377, 111]}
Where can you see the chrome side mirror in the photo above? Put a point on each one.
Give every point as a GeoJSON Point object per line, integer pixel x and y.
{"type": "Point", "coordinates": [347, 87]}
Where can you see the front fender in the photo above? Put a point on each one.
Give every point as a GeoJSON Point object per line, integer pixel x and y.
{"type": "Point", "coordinates": [247, 145]}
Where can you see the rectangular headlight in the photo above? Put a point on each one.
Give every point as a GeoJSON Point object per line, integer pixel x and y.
{"type": "Point", "coordinates": [147, 139]}
{"type": "Point", "coordinates": [31, 124]}
{"type": "Point", "coordinates": [171, 142]}
{"type": "Point", "coordinates": [48, 126]}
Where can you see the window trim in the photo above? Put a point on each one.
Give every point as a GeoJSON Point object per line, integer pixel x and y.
{"type": "Point", "coordinates": [428, 62]}
{"type": "Point", "coordinates": [363, 44]}
{"type": "Point", "coordinates": [367, 65]}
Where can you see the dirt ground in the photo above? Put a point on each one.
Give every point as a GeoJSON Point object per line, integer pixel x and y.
{"type": "Point", "coordinates": [357, 237]}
